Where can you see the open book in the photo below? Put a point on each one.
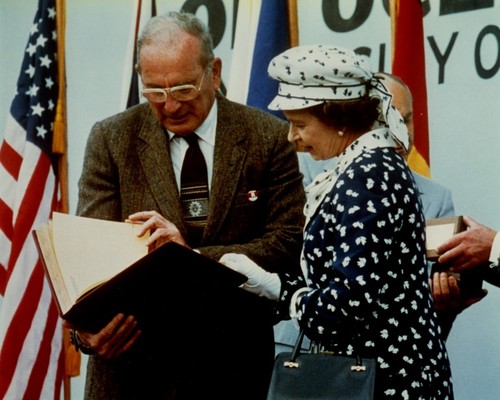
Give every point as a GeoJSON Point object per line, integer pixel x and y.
{"type": "Point", "coordinates": [438, 231]}
{"type": "Point", "coordinates": [98, 268]}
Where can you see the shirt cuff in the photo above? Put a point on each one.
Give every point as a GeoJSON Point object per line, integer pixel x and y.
{"type": "Point", "coordinates": [495, 249]}
{"type": "Point", "coordinates": [294, 303]}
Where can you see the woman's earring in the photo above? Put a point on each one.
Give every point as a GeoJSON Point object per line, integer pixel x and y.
{"type": "Point", "coordinates": [340, 133]}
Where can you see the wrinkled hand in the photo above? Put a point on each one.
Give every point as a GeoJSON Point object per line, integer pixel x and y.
{"type": "Point", "coordinates": [260, 282]}
{"type": "Point", "coordinates": [447, 295]}
{"type": "Point", "coordinates": [114, 339]}
{"type": "Point", "coordinates": [467, 249]}
{"type": "Point", "coordinates": [162, 230]}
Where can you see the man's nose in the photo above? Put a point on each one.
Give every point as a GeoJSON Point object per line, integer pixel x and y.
{"type": "Point", "coordinates": [171, 104]}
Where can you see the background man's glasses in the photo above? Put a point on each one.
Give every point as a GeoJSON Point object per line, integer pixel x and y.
{"type": "Point", "coordinates": [179, 93]}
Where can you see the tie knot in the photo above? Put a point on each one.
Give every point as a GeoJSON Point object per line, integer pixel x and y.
{"type": "Point", "coordinates": [192, 138]}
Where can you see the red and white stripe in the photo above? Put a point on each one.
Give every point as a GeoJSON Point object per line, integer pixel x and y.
{"type": "Point", "coordinates": [31, 362]}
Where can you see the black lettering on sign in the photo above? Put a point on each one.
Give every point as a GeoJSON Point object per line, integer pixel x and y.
{"type": "Point", "coordinates": [483, 72]}
{"type": "Point", "coordinates": [235, 19]}
{"type": "Point", "coordinates": [426, 7]}
{"type": "Point", "coordinates": [458, 6]}
{"type": "Point", "coordinates": [363, 50]}
{"type": "Point", "coordinates": [442, 58]}
{"type": "Point", "coordinates": [381, 65]}
{"type": "Point", "coordinates": [216, 16]}
{"type": "Point", "coordinates": [367, 51]}
{"type": "Point", "coordinates": [336, 23]}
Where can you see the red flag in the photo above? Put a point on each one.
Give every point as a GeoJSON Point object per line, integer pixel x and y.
{"type": "Point", "coordinates": [30, 330]}
{"type": "Point", "coordinates": [408, 62]}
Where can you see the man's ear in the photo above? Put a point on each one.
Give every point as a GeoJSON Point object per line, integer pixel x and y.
{"type": "Point", "coordinates": [216, 73]}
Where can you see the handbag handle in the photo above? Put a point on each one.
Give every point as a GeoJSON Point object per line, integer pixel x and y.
{"type": "Point", "coordinates": [297, 347]}
{"type": "Point", "coordinates": [292, 363]}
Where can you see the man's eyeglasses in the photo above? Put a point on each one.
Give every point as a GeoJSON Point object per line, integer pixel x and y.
{"type": "Point", "coordinates": [179, 93]}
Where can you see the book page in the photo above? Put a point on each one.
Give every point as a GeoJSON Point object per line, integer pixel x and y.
{"type": "Point", "coordinates": [44, 242]}
{"type": "Point", "coordinates": [91, 251]}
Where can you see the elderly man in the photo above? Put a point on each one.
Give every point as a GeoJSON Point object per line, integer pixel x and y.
{"type": "Point", "coordinates": [144, 165]}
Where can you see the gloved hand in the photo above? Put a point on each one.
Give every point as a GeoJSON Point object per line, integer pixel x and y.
{"type": "Point", "coordinates": [260, 282]}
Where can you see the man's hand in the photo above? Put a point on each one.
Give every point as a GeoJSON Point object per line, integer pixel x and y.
{"type": "Point", "coordinates": [114, 339]}
{"type": "Point", "coordinates": [447, 295]}
{"type": "Point", "coordinates": [467, 249]}
{"type": "Point", "coordinates": [162, 230]}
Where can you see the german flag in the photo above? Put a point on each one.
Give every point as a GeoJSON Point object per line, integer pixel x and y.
{"type": "Point", "coordinates": [408, 62]}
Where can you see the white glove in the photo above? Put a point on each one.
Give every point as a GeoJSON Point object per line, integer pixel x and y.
{"type": "Point", "coordinates": [260, 282]}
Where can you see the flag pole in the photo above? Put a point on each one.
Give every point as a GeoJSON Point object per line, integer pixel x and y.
{"type": "Point", "coordinates": [59, 139]}
{"type": "Point", "coordinates": [133, 93]}
{"type": "Point", "coordinates": [71, 357]}
{"type": "Point", "coordinates": [59, 145]}
{"type": "Point", "coordinates": [393, 11]}
{"type": "Point", "coordinates": [293, 22]}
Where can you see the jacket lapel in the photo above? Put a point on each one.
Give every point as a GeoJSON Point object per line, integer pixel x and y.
{"type": "Point", "coordinates": [154, 153]}
{"type": "Point", "coordinates": [229, 157]}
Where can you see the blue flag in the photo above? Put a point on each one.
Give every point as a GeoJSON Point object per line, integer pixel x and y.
{"type": "Point", "coordinates": [262, 32]}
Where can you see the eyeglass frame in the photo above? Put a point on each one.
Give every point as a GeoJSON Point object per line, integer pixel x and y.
{"type": "Point", "coordinates": [173, 89]}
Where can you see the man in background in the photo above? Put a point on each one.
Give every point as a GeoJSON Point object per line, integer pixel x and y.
{"type": "Point", "coordinates": [436, 198]}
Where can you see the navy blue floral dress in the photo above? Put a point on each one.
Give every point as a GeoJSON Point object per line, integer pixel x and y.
{"type": "Point", "coordinates": [364, 259]}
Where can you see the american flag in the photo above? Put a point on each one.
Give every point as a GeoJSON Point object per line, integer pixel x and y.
{"type": "Point", "coordinates": [30, 330]}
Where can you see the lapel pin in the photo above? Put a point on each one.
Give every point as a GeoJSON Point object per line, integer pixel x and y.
{"type": "Point", "coordinates": [252, 195]}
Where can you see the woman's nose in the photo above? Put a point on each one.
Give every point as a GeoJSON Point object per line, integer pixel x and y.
{"type": "Point", "coordinates": [291, 135]}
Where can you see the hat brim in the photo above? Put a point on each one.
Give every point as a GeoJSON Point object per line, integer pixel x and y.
{"type": "Point", "coordinates": [284, 103]}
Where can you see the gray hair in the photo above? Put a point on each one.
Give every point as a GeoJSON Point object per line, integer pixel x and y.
{"type": "Point", "coordinates": [166, 29]}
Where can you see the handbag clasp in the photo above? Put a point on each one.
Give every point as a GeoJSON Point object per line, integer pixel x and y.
{"type": "Point", "coordinates": [358, 368]}
{"type": "Point", "coordinates": [291, 364]}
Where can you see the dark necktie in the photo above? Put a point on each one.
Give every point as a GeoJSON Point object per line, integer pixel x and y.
{"type": "Point", "coordinates": [194, 190]}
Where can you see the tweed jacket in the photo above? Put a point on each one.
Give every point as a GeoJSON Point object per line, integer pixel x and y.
{"type": "Point", "coordinates": [127, 168]}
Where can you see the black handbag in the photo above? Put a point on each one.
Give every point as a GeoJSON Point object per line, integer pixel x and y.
{"type": "Point", "coordinates": [319, 375]}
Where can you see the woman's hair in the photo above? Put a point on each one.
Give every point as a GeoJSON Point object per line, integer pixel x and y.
{"type": "Point", "coordinates": [166, 29]}
{"type": "Point", "coordinates": [355, 116]}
